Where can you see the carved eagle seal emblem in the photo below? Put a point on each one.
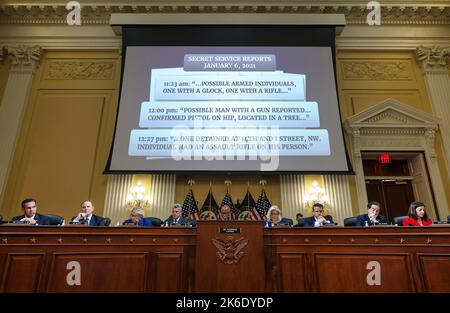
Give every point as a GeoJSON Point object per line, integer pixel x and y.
{"type": "Point", "coordinates": [230, 249]}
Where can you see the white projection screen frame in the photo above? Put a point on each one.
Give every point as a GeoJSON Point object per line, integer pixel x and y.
{"type": "Point", "coordinates": [225, 99]}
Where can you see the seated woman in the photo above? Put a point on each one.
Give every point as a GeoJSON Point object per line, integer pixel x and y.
{"type": "Point", "coordinates": [137, 218]}
{"type": "Point", "coordinates": [417, 215]}
{"type": "Point", "coordinates": [274, 218]}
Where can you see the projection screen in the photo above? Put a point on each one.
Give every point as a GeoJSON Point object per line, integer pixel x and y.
{"type": "Point", "coordinates": [246, 103]}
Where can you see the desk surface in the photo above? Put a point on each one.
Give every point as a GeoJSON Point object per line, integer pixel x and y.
{"type": "Point", "coordinates": [139, 259]}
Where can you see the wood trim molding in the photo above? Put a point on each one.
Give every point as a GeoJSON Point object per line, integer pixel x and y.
{"type": "Point", "coordinates": [395, 126]}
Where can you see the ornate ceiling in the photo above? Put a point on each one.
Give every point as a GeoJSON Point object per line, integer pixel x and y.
{"type": "Point", "coordinates": [395, 12]}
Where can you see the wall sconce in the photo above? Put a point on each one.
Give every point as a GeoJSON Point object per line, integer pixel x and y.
{"type": "Point", "coordinates": [137, 197]}
{"type": "Point", "coordinates": [316, 194]}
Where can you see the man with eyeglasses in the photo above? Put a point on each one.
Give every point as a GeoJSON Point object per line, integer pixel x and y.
{"type": "Point", "coordinates": [177, 217]}
{"type": "Point", "coordinates": [318, 219]}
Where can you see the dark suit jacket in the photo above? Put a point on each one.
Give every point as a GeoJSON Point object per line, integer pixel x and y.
{"type": "Point", "coordinates": [94, 221]}
{"type": "Point", "coordinates": [309, 221]}
{"type": "Point", "coordinates": [182, 220]}
{"type": "Point", "coordinates": [146, 221]}
{"type": "Point", "coordinates": [40, 219]}
{"type": "Point", "coordinates": [365, 217]}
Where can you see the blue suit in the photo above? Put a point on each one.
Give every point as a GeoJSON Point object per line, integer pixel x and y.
{"type": "Point", "coordinates": [284, 222]}
{"type": "Point", "coordinates": [309, 221]}
{"type": "Point", "coordinates": [95, 220]}
{"type": "Point", "coordinates": [146, 221]}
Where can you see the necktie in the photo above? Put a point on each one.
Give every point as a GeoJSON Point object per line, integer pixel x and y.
{"type": "Point", "coordinates": [87, 221]}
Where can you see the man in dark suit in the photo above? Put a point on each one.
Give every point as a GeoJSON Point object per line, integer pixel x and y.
{"type": "Point", "coordinates": [177, 218]}
{"type": "Point", "coordinates": [225, 213]}
{"type": "Point", "coordinates": [317, 219]}
{"type": "Point", "coordinates": [373, 216]}
{"type": "Point", "coordinates": [86, 217]}
{"type": "Point", "coordinates": [30, 215]}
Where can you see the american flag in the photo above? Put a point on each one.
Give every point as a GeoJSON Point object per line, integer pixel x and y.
{"type": "Point", "coordinates": [262, 206]}
{"type": "Point", "coordinates": [210, 203]}
{"type": "Point", "coordinates": [190, 208]}
{"type": "Point", "coordinates": [227, 201]}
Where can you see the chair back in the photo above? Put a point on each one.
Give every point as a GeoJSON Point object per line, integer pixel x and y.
{"type": "Point", "coordinates": [155, 221]}
{"type": "Point", "coordinates": [55, 219]}
{"type": "Point", "coordinates": [398, 220]}
{"type": "Point", "coordinates": [351, 221]}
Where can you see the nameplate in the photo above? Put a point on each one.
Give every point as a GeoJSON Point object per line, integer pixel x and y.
{"type": "Point", "coordinates": [224, 230]}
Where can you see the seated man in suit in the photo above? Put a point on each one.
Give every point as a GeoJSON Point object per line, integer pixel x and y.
{"type": "Point", "coordinates": [86, 217]}
{"type": "Point", "coordinates": [273, 217]}
{"type": "Point", "coordinates": [177, 218]}
{"type": "Point", "coordinates": [225, 213]}
{"type": "Point", "coordinates": [299, 217]}
{"type": "Point", "coordinates": [137, 218]}
{"type": "Point", "coordinates": [373, 216]}
{"type": "Point", "coordinates": [317, 219]}
{"type": "Point", "coordinates": [30, 215]}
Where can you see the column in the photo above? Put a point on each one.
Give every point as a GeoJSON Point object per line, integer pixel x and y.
{"type": "Point", "coordinates": [338, 190]}
{"type": "Point", "coordinates": [292, 195]}
{"type": "Point", "coordinates": [354, 134]}
{"type": "Point", "coordinates": [25, 60]}
{"type": "Point", "coordinates": [433, 61]}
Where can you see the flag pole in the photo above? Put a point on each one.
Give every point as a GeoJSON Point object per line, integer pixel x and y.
{"type": "Point", "coordinates": [209, 203]}
{"type": "Point", "coordinates": [248, 193]}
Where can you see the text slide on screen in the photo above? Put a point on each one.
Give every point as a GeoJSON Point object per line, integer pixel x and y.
{"type": "Point", "coordinates": [189, 108]}
{"type": "Point", "coordinates": [198, 108]}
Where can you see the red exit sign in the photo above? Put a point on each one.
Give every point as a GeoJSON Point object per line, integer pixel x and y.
{"type": "Point", "coordinates": [384, 158]}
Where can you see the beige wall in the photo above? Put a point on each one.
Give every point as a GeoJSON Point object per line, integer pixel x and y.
{"type": "Point", "coordinates": [366, 78]}
{"type": "Point", "coordinates": [66, 133]}
{"type": "Point", "coordinates": [69, 123]}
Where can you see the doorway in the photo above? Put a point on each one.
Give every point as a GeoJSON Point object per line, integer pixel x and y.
{"type": "Point", "coordinates": [395, 195]}
{"type": "Point", "coordinates": [398, 182]}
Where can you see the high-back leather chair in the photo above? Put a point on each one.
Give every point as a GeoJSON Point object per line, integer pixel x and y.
{"type": "Point", "coordinates": [351, 221]}
{"type": "Point", "coordinates": [398, 220]}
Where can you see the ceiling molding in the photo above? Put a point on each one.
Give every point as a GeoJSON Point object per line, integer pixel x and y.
{"type": "Point", "coordinates": [99, 12]}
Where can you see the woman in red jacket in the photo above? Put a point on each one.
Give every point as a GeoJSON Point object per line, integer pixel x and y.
{"type": "Point", "coordinates": [417, 215]}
